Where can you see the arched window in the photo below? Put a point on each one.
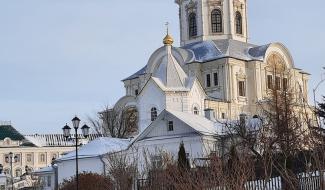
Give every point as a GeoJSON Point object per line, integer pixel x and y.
{"type": "Point", "coordinates": [196, 111]}
{"type": "Point", "coordinates": [216, 21]}
{"type": "Point", "coordinates": [239, 23]}
{"type": "Point", "coordinates": [154, 114]}
{"type": "Point", "coordinates": [192, 25]}
{"type": "Point", "coordinates": [7, 141]}
{"type": "Point", "coordinates": [18, 172]}
{"type": "Point", "coordinates": [42, 158]}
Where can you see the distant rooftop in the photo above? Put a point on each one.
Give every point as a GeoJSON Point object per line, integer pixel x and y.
{"type": "Point", "coordinates": [46, 140]}
{"type": "Point", "coordinates": [8, 131]}
{"type": "Point", "coordinates": [55, 140]}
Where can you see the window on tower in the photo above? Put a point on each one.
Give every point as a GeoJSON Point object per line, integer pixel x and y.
{"type": "Point", "coordinates": [216, 21]}
{"type": "Point", "coordinates": [192, 25]}
{"type": "Point", "coordinates": [215, 78]}
{"type": "Point", "coordinates": [170, 126]}
{"type": "Point", "coordinates": [242, 88]}
{"type": "Point", "coordinates": [208, 80]}
{"type": "Point", "coordinates": [239, 23]}
{"type": "Point", "coordinates": [196, 111]}
{"type": "Point", "coordinates": [154, 114]}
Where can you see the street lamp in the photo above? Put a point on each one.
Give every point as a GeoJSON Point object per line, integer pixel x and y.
{"type": "Point", "coordinates": [85, 132]}
{"type": "Point", "coordinates": [314, 92]}
{"type": "Point", "coordinates": [11, 159]}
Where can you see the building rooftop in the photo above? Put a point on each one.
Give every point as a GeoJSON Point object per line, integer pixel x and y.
{"type": "Point", "coordinates": [8, 131]}
{"type": "Point", "coordinates": [211, 50]}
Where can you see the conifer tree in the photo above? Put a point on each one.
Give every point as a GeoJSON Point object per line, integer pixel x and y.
{"type": "Point", "coordinates": [321, 109]}
{"type": "Point", "coordinates": [183, 162]}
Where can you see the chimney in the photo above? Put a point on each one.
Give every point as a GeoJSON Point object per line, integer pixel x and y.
{"type": "Point", "coordinates": [209, 114]}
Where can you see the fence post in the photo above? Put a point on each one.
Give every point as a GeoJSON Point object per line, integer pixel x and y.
{"type": "Point", "coordinates": [321, 176]}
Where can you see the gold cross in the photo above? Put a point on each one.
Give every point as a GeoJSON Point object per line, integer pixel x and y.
{"type": "Point", "coordinates": [167, 27]}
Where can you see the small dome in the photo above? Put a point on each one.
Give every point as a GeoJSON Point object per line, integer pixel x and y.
{"type": "Point", "coordinates": [168, 40]}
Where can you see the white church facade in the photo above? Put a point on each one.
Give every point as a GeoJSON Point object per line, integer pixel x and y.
{"type": "Point", "coordinates": [183, 93]}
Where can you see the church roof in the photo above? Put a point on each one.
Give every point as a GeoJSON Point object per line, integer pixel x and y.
{"type": "Point", "coordinates": [199, 123]}
{"type": "Point", "coordinates": [8, 131]}
{"type": "Point", "coordinates": [211, 50]}
{"type": "Point", "coordinates": [137, 74]}
{"type": "Point", "coordinates": [169, 72]}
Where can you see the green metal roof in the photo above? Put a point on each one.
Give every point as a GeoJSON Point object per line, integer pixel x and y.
{"type": "Point", "coordinates": [8, 131]}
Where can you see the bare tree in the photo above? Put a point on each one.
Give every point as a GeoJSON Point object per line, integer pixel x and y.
{"type": "Point", "coordinates": [117, 123]}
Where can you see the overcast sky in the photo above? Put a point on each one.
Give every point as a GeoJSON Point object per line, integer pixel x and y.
{"type": "Point", "coordinates": [59, 58]}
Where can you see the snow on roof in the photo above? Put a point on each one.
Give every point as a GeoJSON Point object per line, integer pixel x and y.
{"type": "Point", "coordinates": [211, 50]}
{"type": "Point", "coordinates": [215, 49]}
{"type": "Point", "coordinates": [50, 140]}
{"type": "Point", "coordinates": [168, 89]}
{"type": "Point", "coordinates": [137, 74]}
{"type": "Point", "coordinates": [198, 123]}
{"type": "Point", "coordinates": [48, 169]}
{"type": "Point", "coordinates": [100, 146]}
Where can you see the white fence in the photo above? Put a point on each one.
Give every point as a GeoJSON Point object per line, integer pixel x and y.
{"type": "Point", "coordinates": [307, 181]}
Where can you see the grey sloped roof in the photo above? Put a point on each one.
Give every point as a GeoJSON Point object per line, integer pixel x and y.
{"type": "Point", "coordinates": [217, 49]}
{"type": "Point", "coordinates": [212, 50]}
{"type": "Point", "coordinates": [8, 131]}
{"type": "Point", "coordinates": [137, 74]}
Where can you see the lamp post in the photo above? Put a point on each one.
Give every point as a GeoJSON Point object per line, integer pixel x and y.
{"type": "Point", "coordinates": [66, 132]}
{"type": "Point", "coordinates": [314, 92]}
{"type": "Point", "coordinates": [11, 159]}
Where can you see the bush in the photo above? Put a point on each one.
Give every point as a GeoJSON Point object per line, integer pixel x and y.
{"type": "Point", "coordinates": [88, 181]}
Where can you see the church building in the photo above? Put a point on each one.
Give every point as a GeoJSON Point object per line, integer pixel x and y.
{"type": "Point", "coordinates": [215, 74]}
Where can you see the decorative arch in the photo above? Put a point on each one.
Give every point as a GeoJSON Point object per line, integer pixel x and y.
{"type": "Point", "coordinates": [196, 109]}
{"type": "Point", "coordinates": [7, 141]}
{"type": "Point", "coordinates": [280, 50]}
{"type": "Point", "coordinates": [239, 23]}
{"type": "Point", "coordinates": [276, 72]}
{"type": "Point", "coordinates": [216, 21]}
{"type": "Point", "coordinates": [192, 25]}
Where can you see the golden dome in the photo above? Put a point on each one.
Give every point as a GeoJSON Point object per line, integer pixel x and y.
{"type": "Point", "coordinates": [168, 40]}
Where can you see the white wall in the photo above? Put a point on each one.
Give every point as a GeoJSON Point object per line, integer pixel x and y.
{"type": "Point", "coordinates": [151, 96]}
{"type": "Point", "coordinates": [3, 181]}
{"type": "Point", "coordinates": [67, 169]}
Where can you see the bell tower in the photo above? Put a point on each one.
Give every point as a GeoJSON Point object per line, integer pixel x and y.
{"type": "Point", "coordinates": [202, 20]}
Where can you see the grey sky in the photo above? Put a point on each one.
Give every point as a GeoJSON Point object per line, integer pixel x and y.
{"type": "Point", "coordinates": [59, 58]}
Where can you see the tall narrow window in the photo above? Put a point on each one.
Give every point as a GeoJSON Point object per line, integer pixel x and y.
{"type": "Point", "coordinates": [196, 111]}
{"type": "Point", "coordinates": [239, 23]}
{"type": "Point", "coordinates": [208, 80]}
{"type": "Point", "coordinates": [42, 158]}
{"type": "Point", "coordinates": [241, 88]}
{"type": "Point", "coordinates": [170, 126]}
{"type": "Point", "coordinates": [192, 25]}
{"type": "Point", "coordinates": [269, 82]}
{"type": "Point", "coordinates": [285, 84]}
{"type": "Point", "coordinates": [29, 158]}
{"type": "Point", "coordinates": [18, 172]}
{"type": "Point", "coordinates": [216, 21]}
{"type": "Point", "coordinates": [215, 78]}
{"type": "Point", "coordinates": [278, 83]}
{"type": "Point", "coordinates": [154, 114]}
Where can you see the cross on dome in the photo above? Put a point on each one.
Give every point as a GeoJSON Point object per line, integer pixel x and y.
{"type": "Point", "coordinates": [168, 40]}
